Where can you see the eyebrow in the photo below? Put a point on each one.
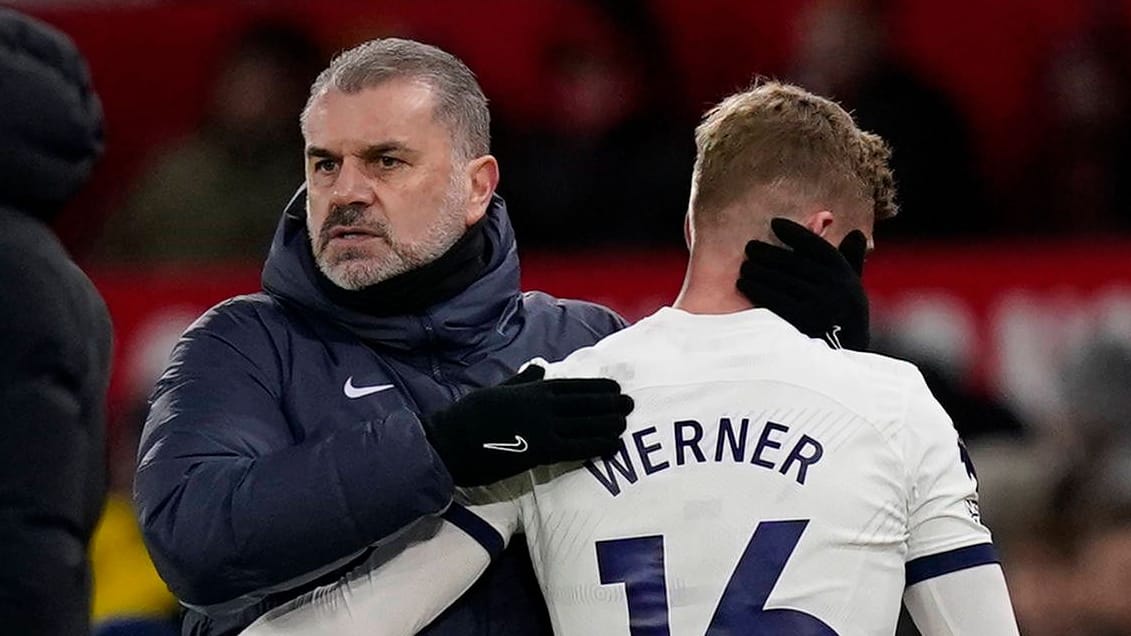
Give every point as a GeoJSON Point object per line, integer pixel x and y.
{"type": "Point", "coordinates": [369, 153]}
{"type": "Point", "coordinates": [377, 150]}
{"type": "Point", "coordinates": [320, 153]}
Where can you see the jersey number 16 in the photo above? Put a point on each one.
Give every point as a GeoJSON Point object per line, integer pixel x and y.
{"type": "Point", "coordinates": [638, 563]}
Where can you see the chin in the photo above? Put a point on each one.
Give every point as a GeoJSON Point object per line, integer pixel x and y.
{"type": "Point", "coordinates": [358, 273]}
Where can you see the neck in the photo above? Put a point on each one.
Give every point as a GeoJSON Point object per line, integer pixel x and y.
{"type": "Point", "coordinates": [414, 291]}
{"type": "Point", "coordinates": [709, 286]}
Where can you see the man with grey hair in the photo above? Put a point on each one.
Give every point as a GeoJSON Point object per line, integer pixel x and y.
{"type": "Point", "coordinates": [298, 429]}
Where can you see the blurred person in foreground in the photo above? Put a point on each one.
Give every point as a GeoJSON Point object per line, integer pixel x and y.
{"type": "Point", "coordinates": [830, 483]}
{"type": "Point", "coordinates": [128, 593]}
{"type": "Point", "coordinates": [299, 427]}
{"type": "Point", "coordinates": [55, 335]}
{"type": "Point", "coordinates": [213, 196]}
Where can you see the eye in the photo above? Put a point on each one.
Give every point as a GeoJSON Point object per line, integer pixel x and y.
{"type": "Point", "coordinates": [325, 165]}
{"type": "Point", "coordinates": [385, 161]}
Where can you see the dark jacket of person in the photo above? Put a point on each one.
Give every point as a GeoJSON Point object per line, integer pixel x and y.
{"type": "Point", "coordinates": [285, 436]}
{"type": "Point", "coordinates": [54, 337]}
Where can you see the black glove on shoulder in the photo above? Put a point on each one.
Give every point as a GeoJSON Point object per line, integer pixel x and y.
{"type": "Point", "coordinates": [496, 432]}
{"type": "Point", "coordinates": [814, 286]}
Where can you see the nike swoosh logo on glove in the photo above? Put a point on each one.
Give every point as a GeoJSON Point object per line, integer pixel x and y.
{"type": "Point", "coordinates": [354, 392]}
{"type": "Point", "coordinates": [833, 337]}
{"type": "Point", "coordinates": [519, 445]}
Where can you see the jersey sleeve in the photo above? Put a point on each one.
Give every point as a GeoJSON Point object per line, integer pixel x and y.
{"type": "Point", "coordinates": [490, 514]}
{"type": "Point", "coordinates": [945, 529]}
{"type": "Point", "coordinates": [410, 579]}
{"type": "Point", "coordinates": [973, 601]}
{"type": "Point", "coordinates": [403, 585]}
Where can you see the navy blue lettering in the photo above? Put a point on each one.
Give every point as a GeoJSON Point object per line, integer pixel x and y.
{"type": "Point", "coordinates": [682, 442]}
{"type": "Point", "coordinates": [964, 455]}
{"type": "Point", "coordinates": [764, 441]}
{"type": "Point", "coordinates": [619, 461]}
{"type": "Point", "coordinates": [638, 437]}
{"type": "Point", "coordinates": [805, 460]}
{"type": "Point", "coordinates": [737, 443]}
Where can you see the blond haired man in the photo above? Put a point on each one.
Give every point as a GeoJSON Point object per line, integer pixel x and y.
{"type": "Point", "coordinates": [766, 484]}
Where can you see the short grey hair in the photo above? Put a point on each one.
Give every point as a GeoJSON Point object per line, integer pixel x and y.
{"type": "Point", "coordinates": [460, 102]}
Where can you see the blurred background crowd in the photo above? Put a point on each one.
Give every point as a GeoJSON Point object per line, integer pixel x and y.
{"type": "Point", "coordinates": [1007, 275]}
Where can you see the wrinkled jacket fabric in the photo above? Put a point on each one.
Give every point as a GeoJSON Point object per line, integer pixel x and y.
{"type": "Point", "coordinates": [285, 436]}
{"type": "Point", "coordinates": [54, 337]}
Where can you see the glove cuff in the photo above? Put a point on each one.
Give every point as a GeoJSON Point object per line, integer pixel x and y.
{"type": "Point", "coordinates": [439, 434]}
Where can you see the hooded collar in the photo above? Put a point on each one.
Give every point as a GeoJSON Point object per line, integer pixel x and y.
{"type": "Point", "coordinates": [51, 128]}
{"type": "Point", "coordinates": [462, 321]}
{"type": "Point", "coordinates": [420, 288]}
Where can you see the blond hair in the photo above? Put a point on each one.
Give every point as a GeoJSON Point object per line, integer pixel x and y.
{"type": "Point", "coordinates": [791, 150]}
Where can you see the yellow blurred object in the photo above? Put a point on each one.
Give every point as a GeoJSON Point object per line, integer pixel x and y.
{"type": "Point", "coordinates": [125, 581]}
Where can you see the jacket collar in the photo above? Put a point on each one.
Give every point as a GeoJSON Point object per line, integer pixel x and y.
{"type": "Point", "coordinates": [463, 321]}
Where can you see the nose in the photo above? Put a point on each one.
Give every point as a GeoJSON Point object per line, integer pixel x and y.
{"type": "Point", "coordinates": [352, 185]}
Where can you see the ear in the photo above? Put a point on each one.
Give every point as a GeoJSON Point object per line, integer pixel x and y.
{"type": "Point", "coordinates": [818, 222]}
{"type": "Point", "coordinates": [687, 229]}
{"type": "Point", "coordinates": [484, 175]}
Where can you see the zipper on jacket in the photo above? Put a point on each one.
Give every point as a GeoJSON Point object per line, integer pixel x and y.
{"type": "Point", "coordinates": [434, 362]}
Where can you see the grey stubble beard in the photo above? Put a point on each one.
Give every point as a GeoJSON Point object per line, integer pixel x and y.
{"type": "Point", "coordinates": [353, 269]}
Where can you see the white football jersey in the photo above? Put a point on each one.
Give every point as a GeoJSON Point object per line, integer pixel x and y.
{"type": "Point", "coordinates": [766, 484]}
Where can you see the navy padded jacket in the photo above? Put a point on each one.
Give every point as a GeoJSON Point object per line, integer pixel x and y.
{"type": "Point", "coordinates": [261, 475]}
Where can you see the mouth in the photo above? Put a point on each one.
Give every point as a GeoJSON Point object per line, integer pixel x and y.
{"type": "Point", "coordinates": [352, 233]}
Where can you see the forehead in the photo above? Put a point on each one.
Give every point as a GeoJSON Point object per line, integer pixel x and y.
{"type": "Point", "coordinates": [396, 109]}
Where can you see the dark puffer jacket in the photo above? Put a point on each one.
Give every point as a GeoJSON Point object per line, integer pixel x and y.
{"type": "Point", "coordinates": [263, 470]}
{"type": "Point", "coordinates": [54, 337]}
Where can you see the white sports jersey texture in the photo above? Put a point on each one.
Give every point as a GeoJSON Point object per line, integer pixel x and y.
{"type": "Point", "coordinates": [767, 485]}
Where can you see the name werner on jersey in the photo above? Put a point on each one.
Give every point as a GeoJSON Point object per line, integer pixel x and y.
{"type": "Point", "coordinates": [651, 450]}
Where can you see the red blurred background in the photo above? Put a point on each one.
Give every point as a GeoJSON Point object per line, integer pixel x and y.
{"type": "Point", "coordinates": [1005, 284]}
{"type": "Point", "coordinates": [154, 65]}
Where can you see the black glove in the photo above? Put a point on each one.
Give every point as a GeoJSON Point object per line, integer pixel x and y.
{"type": "Point", "coordinates": [500, 431]}
{"type": "Point", "coordinates": [813, 286]}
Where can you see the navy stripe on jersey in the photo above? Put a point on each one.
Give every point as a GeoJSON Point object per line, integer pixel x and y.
{"type": "Point", "coordinates": [476, 528]}
{"type": "Point", "coordinates": [930, 566]}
